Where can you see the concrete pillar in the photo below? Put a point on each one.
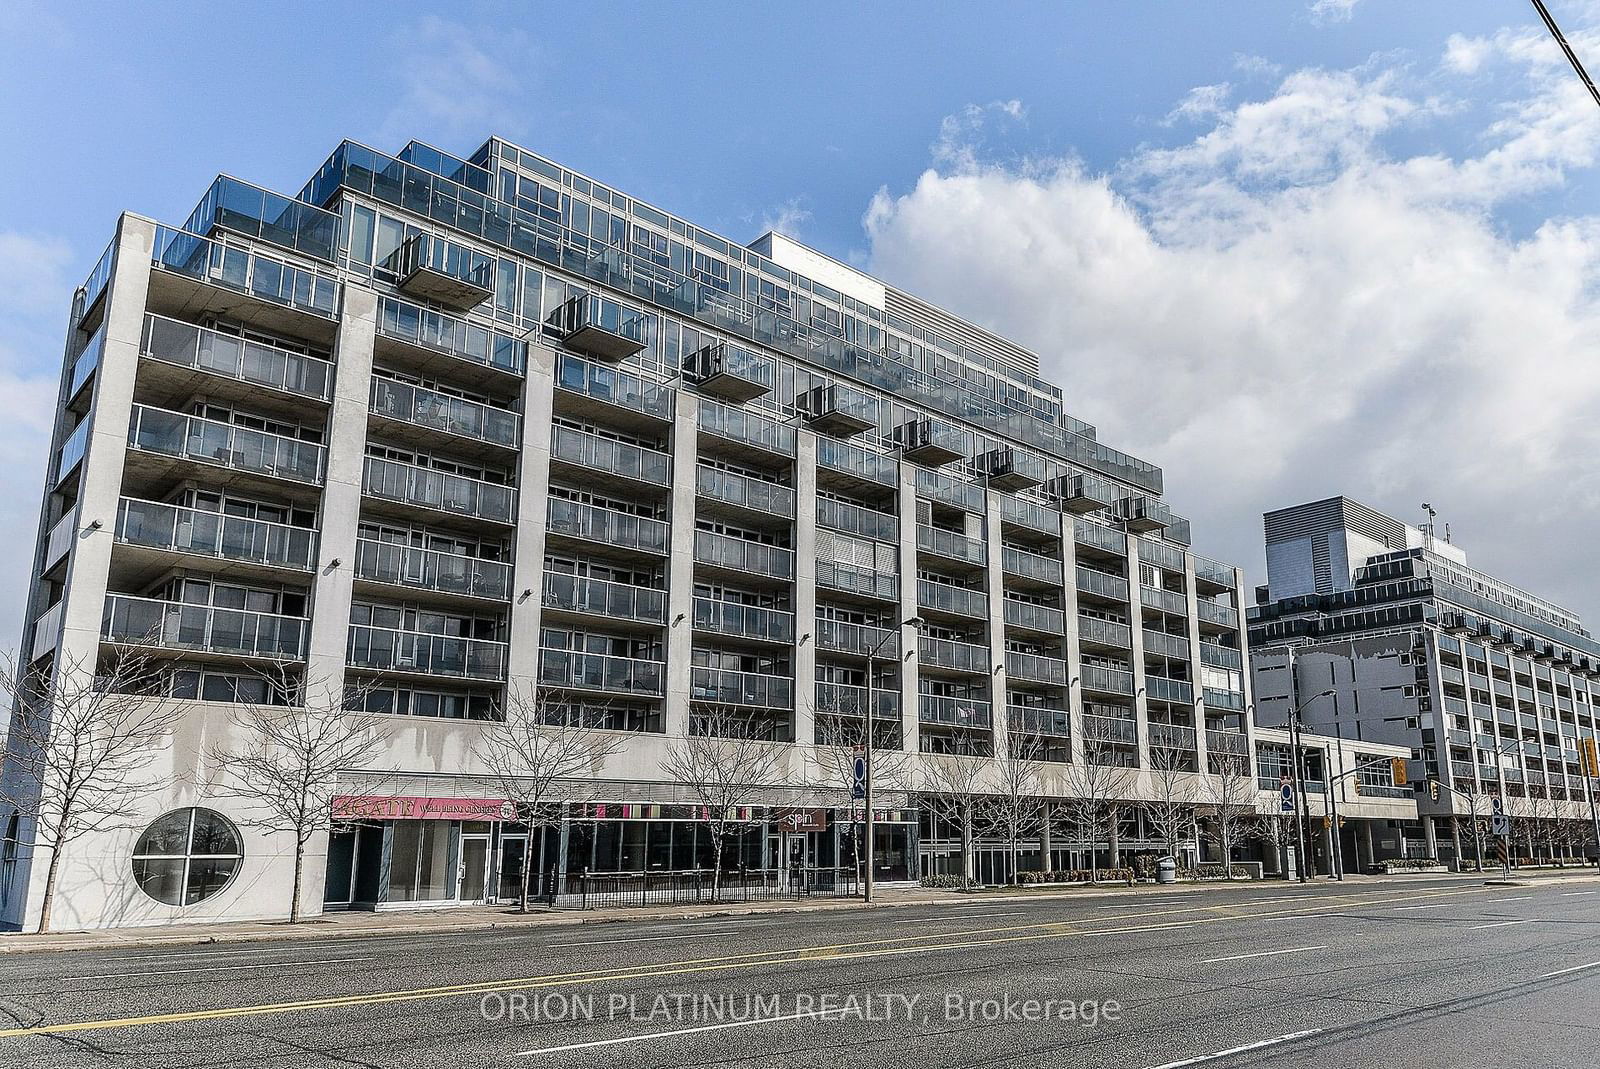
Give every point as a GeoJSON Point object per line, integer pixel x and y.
{"type": "Point", "coordinates": [1430, 836]}
{"type": "Point", "coordinates": [804, 602]}
{"type": "Point", "coordinates": [910, 701]}
{"type": "Point", "coordinates": [340, 515]}
{"type": "Point", "coordinates": [1366, 841]}
{"type": "Point", "coordinates": [997, 620]}
{"type": "Point", "coordinates": [1046, 837]}
{"type": "Point", "coordinates": [1069, 605]}
{"type": "Point", "coordinates": [1196, 669]}
{"type": "Point", "coordinates": [680, 578]}
{"type": "Point", "coordinates": [533, 511]}
{"type": "Point", "coordinates": [1141, 699]}
{"type": "Point", "coordinates": [1114, 839]}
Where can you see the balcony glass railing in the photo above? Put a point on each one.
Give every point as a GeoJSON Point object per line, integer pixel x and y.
{"type": "Point", "coordinates": [954, 712]}
{"type": "Point", "coordinates": [1223, 699]}
{"type": "Point", "coordinates": [1212, 612]}
{"type": "Point", "coordinates": [1161, 644]}
{"type": "Point", "coordinates": [855, 460]}
{"type": "Point", "coordinates": [1107, 586]}
{"type": "Point", "coordinates": [1220, 656]}
{"type": "Point", "coordinates": [596, 671]}
{"type": "Point", "coordinates": [602, 326]}
{"type": "Point", "coordinates": [100, 277]}
{"type": "Point", "coordinates": [427, 569]}
{"type": "Point", "coordinates": [1235, 743]}
{"type": "Point", "coordinates": [1162, 689]}
{"type": "Point", "coordinates": [951, 489]}
{"type": "Point", "coordinates": [173, 341]}
{"type": "Point", "coordinates": [958, 656]}
{"type": "Point", "coordinates": [1213, 572]}
{"type": "Point", "coordinates": [1035, 617]}
{"type": "Point", "coordinates": [874, 584]}
{"type": "Point", "coordinates": [213, 534]}
{"type": "Point", "coordinates": [1036, 721]}
{"type": "Point", "coordinates": [1105, 632]}
{"type": "Point", "coordinates": [1031, 565]}
{"type": "Point", "coordinates": [600, 597]}
{"type": "Point", "coordinates": [747, 428]}
{"type": "Point", "coordinates": [1107, 680]}
{"type": "Point", "coordinates": [1169, 601]}
{"type": "Point", "coordinates": [1089, 533]}
{"type": "Point", "coordinates": [756, 558]}
{"type": "Point", "coordinates": [1110, 729]}
{"type": "Point", "coordinates": [1036, 668]}
{"type": "Point", "coordinates": [1173, 736]}
{"type": "Point", "coordinates": [72, 450]}
{"type": "Point", "coordinates": [426, 252]}
{"type": "Point", "coordinates": [740, 688]}
{"type": "Point", "coordinates": [245, 270]}
{"type": "Point", "coordinates": [209, 441]}
{"type": "Point", "coordinates": [204, 628]}
{"type": "Point", "coordinates": [86, 362]}
{"type": "Point", "coordinates": [259, 213]}
{"type": "Point", "coordinates": [861, 639]}
{"type": "Point", "coordinates": [747, 621]}
{"type": "Point", "coordinates": [441, 490]}
{"type": "Point", "coordinates": [1160, 554]}
{"type": "Point", "coordinates": [442, 333]}
{"type": "Point", "coordinates": [743, 491]}
{"type": "Point", "coordinates": [854, 519]}
{"type": "Point", "coordinates": [616, 387]}
{"type": "Point", "coordinates": [1030, 514]}
{"type": "Point", "coordinates": [622, 459]}
{"type": "Point", "coordinates": [951, 545]}
{"type": "Point", "coordinates": [389, 649]}
{"type": "Point", "coordinates": [423, 407]}
{"type": "Point", "coordinates": [841, 699]}
{"type": "Point", "coordinates": [953, 599]}
{"type": "Point", "coordinates": [608, 526]}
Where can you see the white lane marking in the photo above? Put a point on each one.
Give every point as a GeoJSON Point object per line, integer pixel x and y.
{"type": "Point", "coordinates": [1264, 954]}
{"type": "Point", "coordinates": [1574, 894]}
{"type": "Point", "coordinates": [1575, 968]}
{"type": "Point", "coordinates": [641, 939]}
{"type": "Point", "coordinates": [963, 917]}
{"type": "Point", "coordinates": [1258, 1045]}
{"type": "Point", "coordinates": [662, 1035]}
{"type": "Point", "coordinates": [1520, 898]}
{"type": "Point", "coordinates": [1497, 924]}
{"type": "Point", "coordinates": [182, 972]}
{"type": "Point", "coordinates": [1441, 905]}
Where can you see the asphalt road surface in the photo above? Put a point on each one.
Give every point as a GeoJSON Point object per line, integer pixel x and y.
{"type": "Point", "coordinates": [1399, 973]}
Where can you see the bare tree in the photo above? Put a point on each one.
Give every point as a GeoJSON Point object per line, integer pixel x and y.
{"type": "Point", "coordinates": [1169, 808]}
{"type": "Point", "coordinates": [1018, 785]}
{"type": "Point", "coordinates": [541, 759]}
{"type": "Point", "coordinates": [841, 731]}
{"type": "Point", "coordinates": [286, 761]}
{"type": "Point", "coordinates": [952, 787]}
{"type": "Point", "coordinates": [82, 740]}
{"type": "Point", "coordinates": [726, 764]}
{"type": "Point", "coordinates": [1232, 791]}
{"type": "Point", "coordinates": [1094, 786]}
{"type": "Point", "coordinates": [1275, 829]}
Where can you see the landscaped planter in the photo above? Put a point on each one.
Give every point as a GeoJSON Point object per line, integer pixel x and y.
{"type": "Point", "coordinates": [1395, 868]}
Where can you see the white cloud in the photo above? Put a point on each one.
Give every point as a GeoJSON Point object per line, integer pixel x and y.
{"type": "Point", "coordinates": [1324, 12]}
{"type": "Point", "coordinates": [962, 136]}
{"type": "Point", "coordinates": [1284, 308]}
{"type": "Point", "coordinates": [458, 82]}
{"type": "Point", "coordinates": [787, 218]}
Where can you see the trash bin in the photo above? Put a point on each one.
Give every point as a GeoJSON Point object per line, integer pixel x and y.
{"type": "Point", "coordinates": [1167, 870]}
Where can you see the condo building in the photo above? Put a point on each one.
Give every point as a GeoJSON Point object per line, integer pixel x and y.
{"type": "Point", "coordinates": [1379, 632]}
{"type": "Point", "coordinates": [436, 430]}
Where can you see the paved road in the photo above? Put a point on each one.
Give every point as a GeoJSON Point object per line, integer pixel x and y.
{"type": "Point", "coordinates": [1415, 974]}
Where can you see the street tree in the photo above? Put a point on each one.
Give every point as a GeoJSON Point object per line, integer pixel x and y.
{"type": "Point", "coordinates": [1231, 791]}
{"type": "Point", "coordinates": [1094, 787]}
{"type": "Point", "coordinates": [1018, 807]}
{"type": "Point", "coordinates": [1169, 809]}
{"type": "Point", "coordinates": [84, 738]}
{"type": "Point", "coordinates": [841, 733]}
{"type": "Point", "coordinates": [952, 787]}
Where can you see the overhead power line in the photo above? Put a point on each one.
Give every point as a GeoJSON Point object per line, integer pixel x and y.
{"type": "Point", "coordinates": [1572, 57]}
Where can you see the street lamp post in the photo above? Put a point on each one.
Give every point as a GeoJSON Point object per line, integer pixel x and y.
{"type": "Point", "coordinates": [867, 829]}
{"type": "Point", "coordinates": [1297, 770]}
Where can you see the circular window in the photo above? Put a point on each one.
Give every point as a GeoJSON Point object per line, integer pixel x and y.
{"type": "Point", "coordinates": [186, 856]}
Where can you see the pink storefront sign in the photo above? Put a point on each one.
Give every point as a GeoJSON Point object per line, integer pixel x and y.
{"type": "Point", "coordinates": [376, 807]}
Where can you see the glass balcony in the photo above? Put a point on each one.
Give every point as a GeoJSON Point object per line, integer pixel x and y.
{"type": "Point", "coordinates": [853, 519]}
{"type": "Point", "coordinates": [208, 441]}
{"type": "Point", "coordinates": [1030, 514]}
{"type": "Point", "coordinates": [1033, 720]}
{"type": "Point", "coordinates": [1170, 601]}
{"type": "Point", "coordinates": [1213, 572]}
{"type": "Point", "coordinates": [1221, 656]}
{"type": "Point", "coordinates": [1173, 737]}
{"type": "Point", "coordinates": [950, 545]}
{"type": "Point", "coordinates": [1099, 536]}
{"type": "Point", "coordinates": [1035, 566]}
{"type": "Point", "coordinates": [1026, 614]}
{"type": "Point", "coordinates": [737, 554]}
{"type": "Point", "coordinates": [961, 601]}
{"type": "Point", "coordinates": [730, 371]}
{"type": "Point", "coordinates": [747, 428]}
{"type": "Point", "coordinates": [566, 669]}
{"type": "Point", "coordinates": [608, 526]}
{"type": "Point", "coordinates": [1212, 612]}
{"type": "Point", "coordinates": [958, 656]}
{"type": "Point", "coordinates": [933, 442]}
{"type": "Point", "coordinates": [1160, 554]}
{"type": "Point", "coordinates": [86, 362]}
{"type": "Point", "coordinates": [839, 410]}
{"type": "Point", "coordinates": [173, 341]}
{"type": "Point", "coordinates": [1223, 699]}
{"type": "Point", "coordinates": [422, 407]}
{"type": "Point", "coordinates": [443, 272]}
{"type": "Point", "coordinates": [1012, 469]}
{"type": "Point", "coordinates": [261, 214]}
{"type": "Point", "coordinates": [59, 542]}
{"type": "Point", "coordinates": [599, 597]}
{"type": "Point", "coordinates": [606, 455]}
{"type": "Point", "coordinates": [1093, 630]}
{"type": "Point", "coordinates": [414, 485]}
{"type": "Point", "coordinates": [388, 649]}
{"type": "Point", "coordinates": [746, 621]}
{"type": "Point", "coordinates": [1113, 587]}
{"type": "Point", "coordinates": [1084, 493]}
{"type": "Point", "coordinates": [839, 699]}
{"type": "Point", "coordinates": [203, 628]}
{"type": "Point", "coordinates": [427, 569]}
{"type": "Point", "coordinates": [1162, 689]}
{"type": "Point", "coordinates": [244, 270]}
{"type": "Point", "coordinates": [732, 488]}
{"type": "Point", "coordinates": [954, 712]}
{"type": "Point", "coordinates": [1234, 743]}
{"type": "Point", "coordinates": [859, 639]}
{"type": "Point", "coordinates": [99, 278]}
{"type": "Point", "coordinates": [740, 688]}
{"type": "Point", "coordinates": [442, 333]}
{"type": "Point", "coordinates": [873, 584]}
{"type": "Point", "coordinates": [613, 386]}
{"type": "Point", "coordinates": [951, 489]}
{"type": "Point", "coordinates": [1161, 644]}
{"type": "Point", "coordinates": [213, 534]}
{"type": "Point", "coordinates": [1036, 668]}
{"type": "Point", "coordinates": [601, 327]}
{"type": "Point", "coordinates": [72, 451]}
{"type": "Point", "coordinates": [1123, 731]}
{"type": "Point", "coordinates": [854, 460]}
{"type": "Point", "coordinates": [1107, 680]}
{"type": "Point", "coordinates": [1143, 513]}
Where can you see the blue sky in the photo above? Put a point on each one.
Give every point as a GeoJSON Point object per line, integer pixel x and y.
{"type": "Point", "coordinates": [1251, 238]}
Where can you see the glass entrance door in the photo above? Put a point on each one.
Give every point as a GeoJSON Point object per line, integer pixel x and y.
{"type": "Point", "coordinates": [513, 856]}
{"type": "Point", "coordinates": [474, 886]}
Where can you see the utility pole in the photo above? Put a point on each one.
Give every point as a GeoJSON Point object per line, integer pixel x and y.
{"type": "Point", "coordinates": [869, 714]}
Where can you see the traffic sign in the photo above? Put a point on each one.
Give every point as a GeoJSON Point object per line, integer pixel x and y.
{"type": "Point", "coordinates": [1499, 823]}
{"type": "Point", "coordinates": [1286, 792]}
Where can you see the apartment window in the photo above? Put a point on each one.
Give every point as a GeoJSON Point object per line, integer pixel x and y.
{"type": "Point", "coordinates": [186, 856]}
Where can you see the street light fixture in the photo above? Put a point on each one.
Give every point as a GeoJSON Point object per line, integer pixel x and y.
{"type": "Point", "coordinates": [867, 828]}
{"type": "Point", "coordinates": [1297, 772]}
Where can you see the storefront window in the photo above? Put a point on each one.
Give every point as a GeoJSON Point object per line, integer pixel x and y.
{"type": "Point", "coordinates": [419, 864]}
{"type": "Point", "coordinates": [186, 856]}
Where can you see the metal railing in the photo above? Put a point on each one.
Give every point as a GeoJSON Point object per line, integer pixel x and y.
{"type": "Point", "coordinates": [756, 558]}
{"type": "Point", "coordinates": [245, 270]}
{"type": "Point", "coordinates": [746, 427]}
{"type": "Point", "coordinates": [854, 519]}
{"type": "Point", "coordinates": [392, 649]}
{"type": "Point", "coordinates": [601, 597]}
{"type": "Point", "coordinates": [1107, 680]}
{"type": "Point", "coordinates": [727, 687]}
{"type": "Point", "coordinates": [422, 407]}
{"type": "Point", "coordinates": [960, 600]}
{"type": "Point", "coordinates": [735, 489]}
{"type": "Point", "coordinates": [429, 329]}
{"type": "Point", "coordinates": [1107, 586]}
{"type": "Point", "coordinates": [839, 576]}
{"type": "Point", "coordinates": [597, 671]}
{"type": "Point", "coordinates": [1031, 565]}
{"type": "Point", "coordinates": [1035, 617]}
{"type": "Point", "coordinates": [1098, 535]}
{"type": "Point", "coordinates": [173, 341]}
{"type": "Point", "coordinates": [1175, 647]}
{"type": "Point", "coordinates": [209, 441]}
{"type": "Point", "coordinates": [861, 639]}
{"type": "Point", "coordinates": [605, 890]}
{"type": "Point", "coordinates": [158, 525]}
{"type": "Point", "coordinates": [1212, 612]}
{"type": "Point", "coordinates": [959, 656]}
{"type": "Point", "coordinates": [1235, 743]}
{"type": "Point", "coordinates": [1160, 688]}
{"type": "Point", "coordinates": [1110, 729]}
{"type": "Point", "coordinates": [951, 545]}
{"type": "Point", "coordinates": [204, 628]}
{"type": "Point", "coordinates": [608, 526]}
{"type": "Point", "coordinates": [623, 459]}
{"type": "Point", "coordinates": [428, 569]}
{"type": "Point", "coordinates": [1105, 632]}
{"type": "Point", "coordinates": [1172, 601]}
{"type": "Point", "coordinates": [441, 490]}
{"type": "Point", "coordinates": [747, 621]}
{"type": "Point", "coordinates": [954, 712]}
{"type": "Point", "coordinates": [1220, 656]}
{"type": "Point", "coordinates": [1037, 668]}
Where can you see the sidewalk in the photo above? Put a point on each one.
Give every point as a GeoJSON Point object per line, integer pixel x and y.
{"type": "Point", "coordinates": [356, 924]}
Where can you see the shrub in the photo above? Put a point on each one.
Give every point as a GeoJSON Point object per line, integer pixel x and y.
{"type": "Point", "coordinates": [1145, 866]}
{"type": "Point", "coordinates": [941, 882]}
{"type": "Point", "coordinates": [1411, 864]}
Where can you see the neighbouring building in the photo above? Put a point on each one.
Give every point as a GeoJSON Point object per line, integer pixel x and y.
{"type": "Point", "coordinates": [1379, 632]}
{"type": "Point", "coordinates": [436, 428]}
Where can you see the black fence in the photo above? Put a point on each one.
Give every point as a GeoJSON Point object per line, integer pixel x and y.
{"type": "Point", "coordinates": [600, 890]}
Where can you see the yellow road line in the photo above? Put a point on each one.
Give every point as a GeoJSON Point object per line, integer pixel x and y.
{"type": "Point", "coordinates": [902, 945]}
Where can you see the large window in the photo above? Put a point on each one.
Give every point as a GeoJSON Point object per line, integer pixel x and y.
{"type": "Point", "coordinates": [186, 856]}
{"type": "Point", "coordinates": [419, 865]}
